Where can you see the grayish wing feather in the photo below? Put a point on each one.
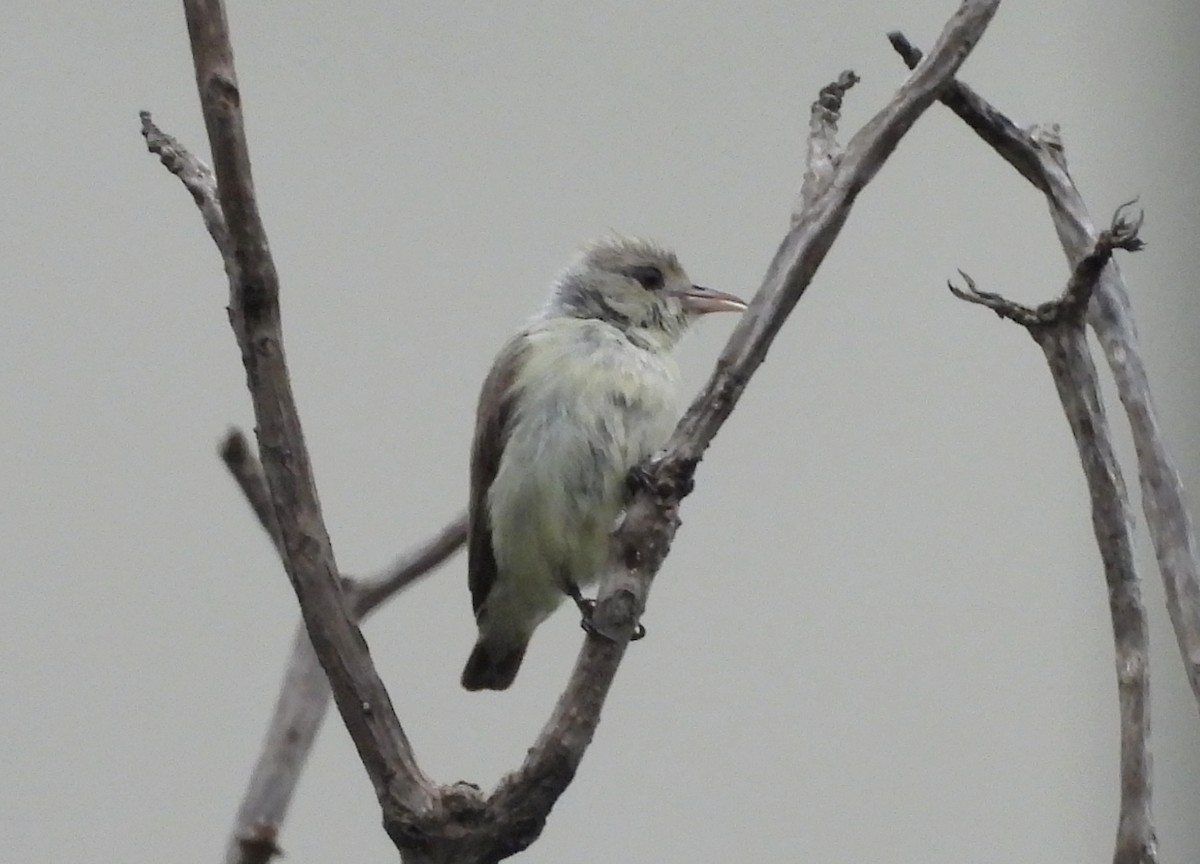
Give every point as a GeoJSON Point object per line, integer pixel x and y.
{"type": "Point", "coordinates": [491, 432]}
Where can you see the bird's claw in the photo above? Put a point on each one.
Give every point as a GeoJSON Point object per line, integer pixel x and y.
{"type": "Point", "coordinates": [638, 479]}
{"type": "Point", "coordinates": [672, 480]}
{"type": "Point", "coordinates": [587, 609]}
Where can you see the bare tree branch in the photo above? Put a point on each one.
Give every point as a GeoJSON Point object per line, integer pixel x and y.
{"type": "Point", "coordinates": [246, 470]}
{"type": "Point", "coordinates": [365, 594]}
{"type": "Point", "coordinates": [1038, 156]}
{"type": "Point", "coordinates": [1058, 328]}
{"type": "Point", "coordinates": [454, 823]}
{"type": "Point", "coordinates": [304, 698]}
{"type": "Point", "coordinates": [196, 177]}
{"type": "Point", "coordinates": [823, 150]}
{"type": "Point", "coordinates": [402, 789]}
{"type": "Point", "coordinates": [642, 542]}
{"type": "Point", "coordinates": [805, 246]}
{"type": "Point", "coordinates": [1073, 302]}
{"type": "Point", "coordinates": [304, 694]}
{"type": "Point", "coordinates": [373, 591]}
{"type": "Point", "coordinates": [299, 711]}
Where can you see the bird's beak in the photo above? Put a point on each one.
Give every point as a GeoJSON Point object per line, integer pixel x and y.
{"type": "Point", "coordinates": [700, 301]}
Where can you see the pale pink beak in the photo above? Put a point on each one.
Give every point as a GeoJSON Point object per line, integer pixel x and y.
{"type": "Point", "coordinates": [700, 301]}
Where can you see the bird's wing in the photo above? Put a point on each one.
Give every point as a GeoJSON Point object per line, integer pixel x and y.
{"type": "Point", "coordinates": [491, 433]}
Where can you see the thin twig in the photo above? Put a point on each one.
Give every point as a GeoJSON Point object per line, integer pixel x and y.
{"type": "Point", "coordinates": [1073, 302]}
{"type": "Point", "coordinates": [823, 150]}
{"type": "Point", "coordinates": [196, 177]}
{"type": "Point", "coordinates": [1038, 156]}
{"type": "Point", "coordinates": [365, 594]}
{"type": "Point", "coordinates": [805, 246]}
{"type": "Point", "coordinates": [373, 591]}
{"type": "Point", "coordinates": [295, 721]}
{"type": "Point", "coordinates": [1058, 328]}
{"type": "Point", "coordinates": [248, 473]}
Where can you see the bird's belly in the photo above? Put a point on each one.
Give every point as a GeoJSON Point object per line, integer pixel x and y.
{"type": "Point", "coordinates": [553, 505]}
{"type": "Point", "coordinates": [559, 490]}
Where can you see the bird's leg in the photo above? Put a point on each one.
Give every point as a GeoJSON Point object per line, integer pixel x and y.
{"type": "Point", "coordinates": [587, 608]}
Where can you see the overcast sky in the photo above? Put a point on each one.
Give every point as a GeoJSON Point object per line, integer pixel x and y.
{"type": "Point", "coordinates": [882, 634]}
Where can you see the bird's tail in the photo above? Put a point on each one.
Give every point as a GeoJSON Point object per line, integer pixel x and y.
{"type": "Point", "coordinates": [493, 663]}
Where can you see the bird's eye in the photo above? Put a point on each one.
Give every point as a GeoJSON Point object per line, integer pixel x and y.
{"type": "Point", "coordinates": [650, 277]}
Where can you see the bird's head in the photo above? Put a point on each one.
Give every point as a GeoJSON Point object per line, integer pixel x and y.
{"type": "Point", "coordinates": [638, 287]}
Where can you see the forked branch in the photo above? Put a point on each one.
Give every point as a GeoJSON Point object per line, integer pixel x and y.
{"type": "Point", "coordinates": [1038, 155]}
{"type": "Point", "coordinates": [1058, 328]}
{"type": "Point", "coordinates": [1072, 304]}
{"type": "Point", "coordinates": [402, 789]}
{"type": "Point", "coordinates": [304, 694]}
{"type": "Point", "coordinates": [456, 823]}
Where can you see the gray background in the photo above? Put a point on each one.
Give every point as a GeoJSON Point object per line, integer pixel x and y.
{"type": "Point", "coordinates": [882, 634]}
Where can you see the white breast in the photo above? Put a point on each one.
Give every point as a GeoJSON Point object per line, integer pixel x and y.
{"type": "Point", "coordinates": [589, 406]}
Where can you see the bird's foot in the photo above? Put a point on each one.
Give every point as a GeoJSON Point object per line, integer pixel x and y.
{"type": "Point", "coordinates": [637, 479]}
{"type": "Point", "coordinates": [677, 482]}
{"type": "Point", "coordinates": [586, 607]}
{"type": "Point", "coordinates": [587, 610]}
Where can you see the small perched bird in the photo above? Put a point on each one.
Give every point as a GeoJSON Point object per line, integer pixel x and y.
{"type": "Point", "coordinates": [585, 392]}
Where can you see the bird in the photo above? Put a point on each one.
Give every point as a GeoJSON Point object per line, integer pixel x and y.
{"type": "Point", "coordinates": [574, 401]}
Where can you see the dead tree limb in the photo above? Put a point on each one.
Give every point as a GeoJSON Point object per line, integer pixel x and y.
{"type": "Point", "coordinates": [1038, 155]}
{"type": "Point", "coordinates": [235, 452]}
{"type": "Point", "coordinates": [456, 823]}
{"type": "Point", "coordinates": [823, 150]}
{"type": "Point", "coordinates": [403, 790]}
{"type": "Point", "coordinates": [304, 694]}
{"type": "Point", "coordinates": [304, 700]}
{"type": "Point", "coordinates": [1058, 328]}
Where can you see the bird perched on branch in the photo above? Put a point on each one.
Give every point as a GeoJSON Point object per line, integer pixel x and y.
{"type": "Point", "coordinates": [574, 401]}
